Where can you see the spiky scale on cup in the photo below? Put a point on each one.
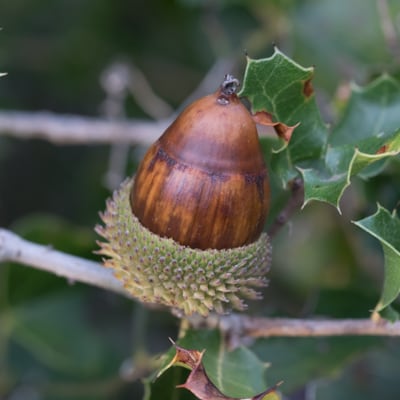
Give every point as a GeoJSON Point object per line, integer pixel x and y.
{"type": "Point", "coordinates": [186, 231]}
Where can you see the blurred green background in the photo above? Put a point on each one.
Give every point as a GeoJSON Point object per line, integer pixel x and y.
{"type": "Point", "coordinates": [60, 340]}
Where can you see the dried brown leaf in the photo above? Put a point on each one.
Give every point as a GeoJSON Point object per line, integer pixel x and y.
{"type": "Point", "coordinates": [200, 384]}
{"type": "Point", "coordinates": [282, 130]}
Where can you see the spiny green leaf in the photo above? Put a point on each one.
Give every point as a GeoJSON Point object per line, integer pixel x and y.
{"type": "Point", "coordinates": [367, 136]}
{"type": "Point", "coordinates": [368, 132]}
{"type": "Point", "coordinates": [328, 182]}
{"type": "Point", "coordinates": [386, 228]}
{"type": "Point", "coordinates": [282, 88]}
{"type": "Point", "coordinates": [371, 111]}
{"type": "Point", "coordinates": [199, 383]}
{"type": "Point", "coordinates": [238, 373]}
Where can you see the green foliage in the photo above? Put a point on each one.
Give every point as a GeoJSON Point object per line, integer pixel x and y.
{"type": "Point", "coordinates": [60, 340]}
{"type": "Point", "coordinates": [386, 227]}
{"type": "Point", "coordinates": [283, 88]}
{"type": "Point", "coordinates": [165, 386]}
{"type": "Point", "coordinates": [33, 328]}
{"type": "Point", "coordinates": [367, 133]}
{"type": "Point", "coordinates": [310, 357]}
{"type": "Point", "coordinates": [237, 373]}
{"type": "Point", "coordinates": [383, 363]}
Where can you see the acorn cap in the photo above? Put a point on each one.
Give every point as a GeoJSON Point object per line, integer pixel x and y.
{"type": "Point", "coordinates": [155, 269]}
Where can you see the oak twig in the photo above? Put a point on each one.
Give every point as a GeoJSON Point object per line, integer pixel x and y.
{"type": "Point", "coordinates": [293, 205]}
{"type": "Point", "coordinates": [266, 327]}
{"type": "Point", "coordinates": [14, 248]}
{"type": "Point", "coordinates": [72, 129]}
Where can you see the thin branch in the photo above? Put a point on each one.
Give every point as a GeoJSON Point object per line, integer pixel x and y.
{"type": "Point", "coordinates": [238, 328]}
{"type": "Point", "coordinates": [65, 129]}
{"type": "Point", "coordinates": [293, 205]}
{"type": "Point", "coordinates": [70, 129]}
{"type": "Point", "coordinates": [267, 327]}
{"type": "Point", "coordinates": [115, 80]}
{"type": "Point", "coordinates": [13, 248]}
{"type": "Point", "coordinates": [388, 28]}
{"type": "Point", "coordinates": [144, 95]}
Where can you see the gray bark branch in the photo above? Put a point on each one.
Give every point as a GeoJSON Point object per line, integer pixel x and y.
{"type": "Point", "coordinates": [72, 129]}
{"type": "Point", "coordinates": [14, 248]}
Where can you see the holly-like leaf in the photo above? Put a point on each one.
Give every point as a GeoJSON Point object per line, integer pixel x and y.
{"type": "Point", "coordinates": [200, 384]}
{"type": "Point", "coordinates": [371, 111]}
{"type": "Point", "coordinates": [217, 373]}
{"type": "Point", "coordinates": [282, 88]}
{"type": "Point", "coordinates": [364, 140]}
{"type": "Point", "coordinates": [386, 228]}
{"type": "Point", "coordinates": [368, 132]}
{"type": "Point", "coordinates": [328, 182]}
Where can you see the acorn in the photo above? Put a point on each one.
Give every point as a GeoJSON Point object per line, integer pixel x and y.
{"type": "Point", "coordinates": [186, 230]}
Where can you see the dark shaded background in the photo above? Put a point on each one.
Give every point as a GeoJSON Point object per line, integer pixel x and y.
{"type": "Point", "coordinates": [63, 341]}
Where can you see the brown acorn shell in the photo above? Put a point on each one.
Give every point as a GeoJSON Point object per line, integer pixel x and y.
{"type": "Point", "coordinates": [204, 182]}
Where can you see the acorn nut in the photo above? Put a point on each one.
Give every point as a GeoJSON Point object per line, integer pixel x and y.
{"type": "Point", "coordinates": [186, 231]}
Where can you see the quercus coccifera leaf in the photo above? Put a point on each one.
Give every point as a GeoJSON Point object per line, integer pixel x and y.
{"type": "Point", "coordinates": [385, 227]}
{"type": "Point", "coordinates": [199, 383]}
{"type": "Point", "coordinates": [282, 88]}
{"type": "Point", "coordinates": [368, 132]}
{"type": "Point", "coordinates": [216, 372]}
{"type": "Point", "coordinates": [365, 138]}
{"type": "Point", "coordinates": [328, 182]}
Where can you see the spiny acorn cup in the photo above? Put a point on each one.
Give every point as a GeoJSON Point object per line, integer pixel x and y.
{"type": "Point", "coordinates": [186, 231]}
